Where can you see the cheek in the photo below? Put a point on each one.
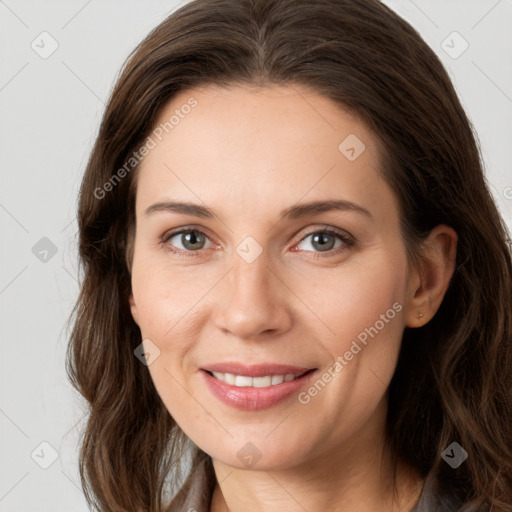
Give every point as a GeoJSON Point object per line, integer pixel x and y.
{"type": "Point", "coordinates": [165, 297]}
{"type": "Point", "coordinates": [364, 311]}
{"type": "Point", "coordinates": [165, 300]}
{"type": "Point", "coordinates": [354, 299]}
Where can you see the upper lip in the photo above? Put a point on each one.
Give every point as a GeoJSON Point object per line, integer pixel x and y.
{"type": "Point", "coordinates": [255, 370]}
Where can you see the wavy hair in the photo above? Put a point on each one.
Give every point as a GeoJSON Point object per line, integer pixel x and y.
{"type": "Point", "coordinates": [453, 381]}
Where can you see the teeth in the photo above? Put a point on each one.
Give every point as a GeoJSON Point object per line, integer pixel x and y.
{"type": "Point", "coordinates": [277, 379]}
{"type": "Point", "coordinates": [228, 378]}
{"type": "Point", "coordinates": [243, 381]}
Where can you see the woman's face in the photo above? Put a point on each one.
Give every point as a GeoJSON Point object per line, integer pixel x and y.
{"type": "Point", "coordinates": [253, 282]}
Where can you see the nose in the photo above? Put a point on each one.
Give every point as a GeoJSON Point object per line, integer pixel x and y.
{"type": "Point", "coordinates": [253, 301]}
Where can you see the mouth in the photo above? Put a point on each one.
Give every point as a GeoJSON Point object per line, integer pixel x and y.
{"type": "Point", "coordinates": [265, 381]}
{"type": "Point", "coordinates": [255, 387]}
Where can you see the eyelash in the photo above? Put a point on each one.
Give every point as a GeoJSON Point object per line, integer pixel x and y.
{"type": "Point", "coordinates": [347, 241]}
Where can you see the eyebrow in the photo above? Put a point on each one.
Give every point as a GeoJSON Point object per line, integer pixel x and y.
{"type": "Point", "coordinates": [293, 212]}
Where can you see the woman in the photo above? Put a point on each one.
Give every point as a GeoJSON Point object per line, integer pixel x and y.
{"type": "Point", "coordinates": [297, 287]}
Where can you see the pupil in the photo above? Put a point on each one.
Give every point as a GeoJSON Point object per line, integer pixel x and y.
{"type": "Point", "coordinates": [192, 238]}
{"type": "Point", "coordinates": [323, 240]}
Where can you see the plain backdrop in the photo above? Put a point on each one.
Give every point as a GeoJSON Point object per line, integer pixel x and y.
{"type": "Point", "coordinates": [58, 62]}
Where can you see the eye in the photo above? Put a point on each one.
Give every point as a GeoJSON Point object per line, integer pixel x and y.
{"type": "Point", "coordinates": [326, 240]}
{"type": "Point", "coordinates": [191, 240]}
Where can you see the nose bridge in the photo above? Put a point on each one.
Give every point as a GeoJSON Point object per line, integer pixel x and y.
{"type": "Point", "coordinates": [251, 301]}
{"type": "Point", "coordinates": [251, 279]}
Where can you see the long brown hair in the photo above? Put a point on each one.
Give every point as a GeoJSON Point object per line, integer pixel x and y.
{"type": "Point", "coordinates": [453, 381]}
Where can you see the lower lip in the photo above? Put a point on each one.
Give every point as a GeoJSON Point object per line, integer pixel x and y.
{"type": "Point", "coordinates": [253, 399]}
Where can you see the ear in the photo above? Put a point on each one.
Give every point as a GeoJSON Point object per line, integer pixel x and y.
{"type": "Point", "coordinates": [133, 309]}
{"type": "Point", "coordinates": [430, 279]}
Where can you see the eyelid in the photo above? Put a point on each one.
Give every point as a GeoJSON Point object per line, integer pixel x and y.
{"type": "Point", "coordinates": [187, 229]}
{"type": "Point", "coordinates": [326, 228]}
{"type": "Point", "coordinates": [346, 238]}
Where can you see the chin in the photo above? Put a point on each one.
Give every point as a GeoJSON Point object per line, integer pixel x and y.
{"type": "Point", "coordinates": [260, 457]}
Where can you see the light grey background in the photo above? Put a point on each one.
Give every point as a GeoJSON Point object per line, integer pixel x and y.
{"type": "Point", "coordinates": [50, 112]}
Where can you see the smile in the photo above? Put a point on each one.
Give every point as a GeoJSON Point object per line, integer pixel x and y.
{"type": "Point", "coordinates": [243, 381]}
{"type": "Point", "coordinates": [266, 385]}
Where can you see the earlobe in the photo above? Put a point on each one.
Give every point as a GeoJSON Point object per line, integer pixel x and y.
{"type": "Point", "coordinates": [133, 308]}
{"type": "Point", "coordinates": [430, 280]}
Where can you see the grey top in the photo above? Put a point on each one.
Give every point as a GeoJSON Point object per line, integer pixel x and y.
{"type": "Point", "coordinates": [199, 497]}
{"type": "Point", "coordinates": [430, 501]}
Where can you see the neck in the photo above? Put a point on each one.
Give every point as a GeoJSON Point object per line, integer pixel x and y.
{"type": "Point", "coordinates": [286, 491]}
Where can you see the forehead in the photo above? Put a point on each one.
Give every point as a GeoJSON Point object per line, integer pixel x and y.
{"type": "Point", "coordinates": [254, 144]}
{"type": "Point", "coordinates": [281, 116]}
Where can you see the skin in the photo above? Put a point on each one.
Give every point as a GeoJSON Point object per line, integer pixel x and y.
{"type": "Point", "coordinates": [249, 153]}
